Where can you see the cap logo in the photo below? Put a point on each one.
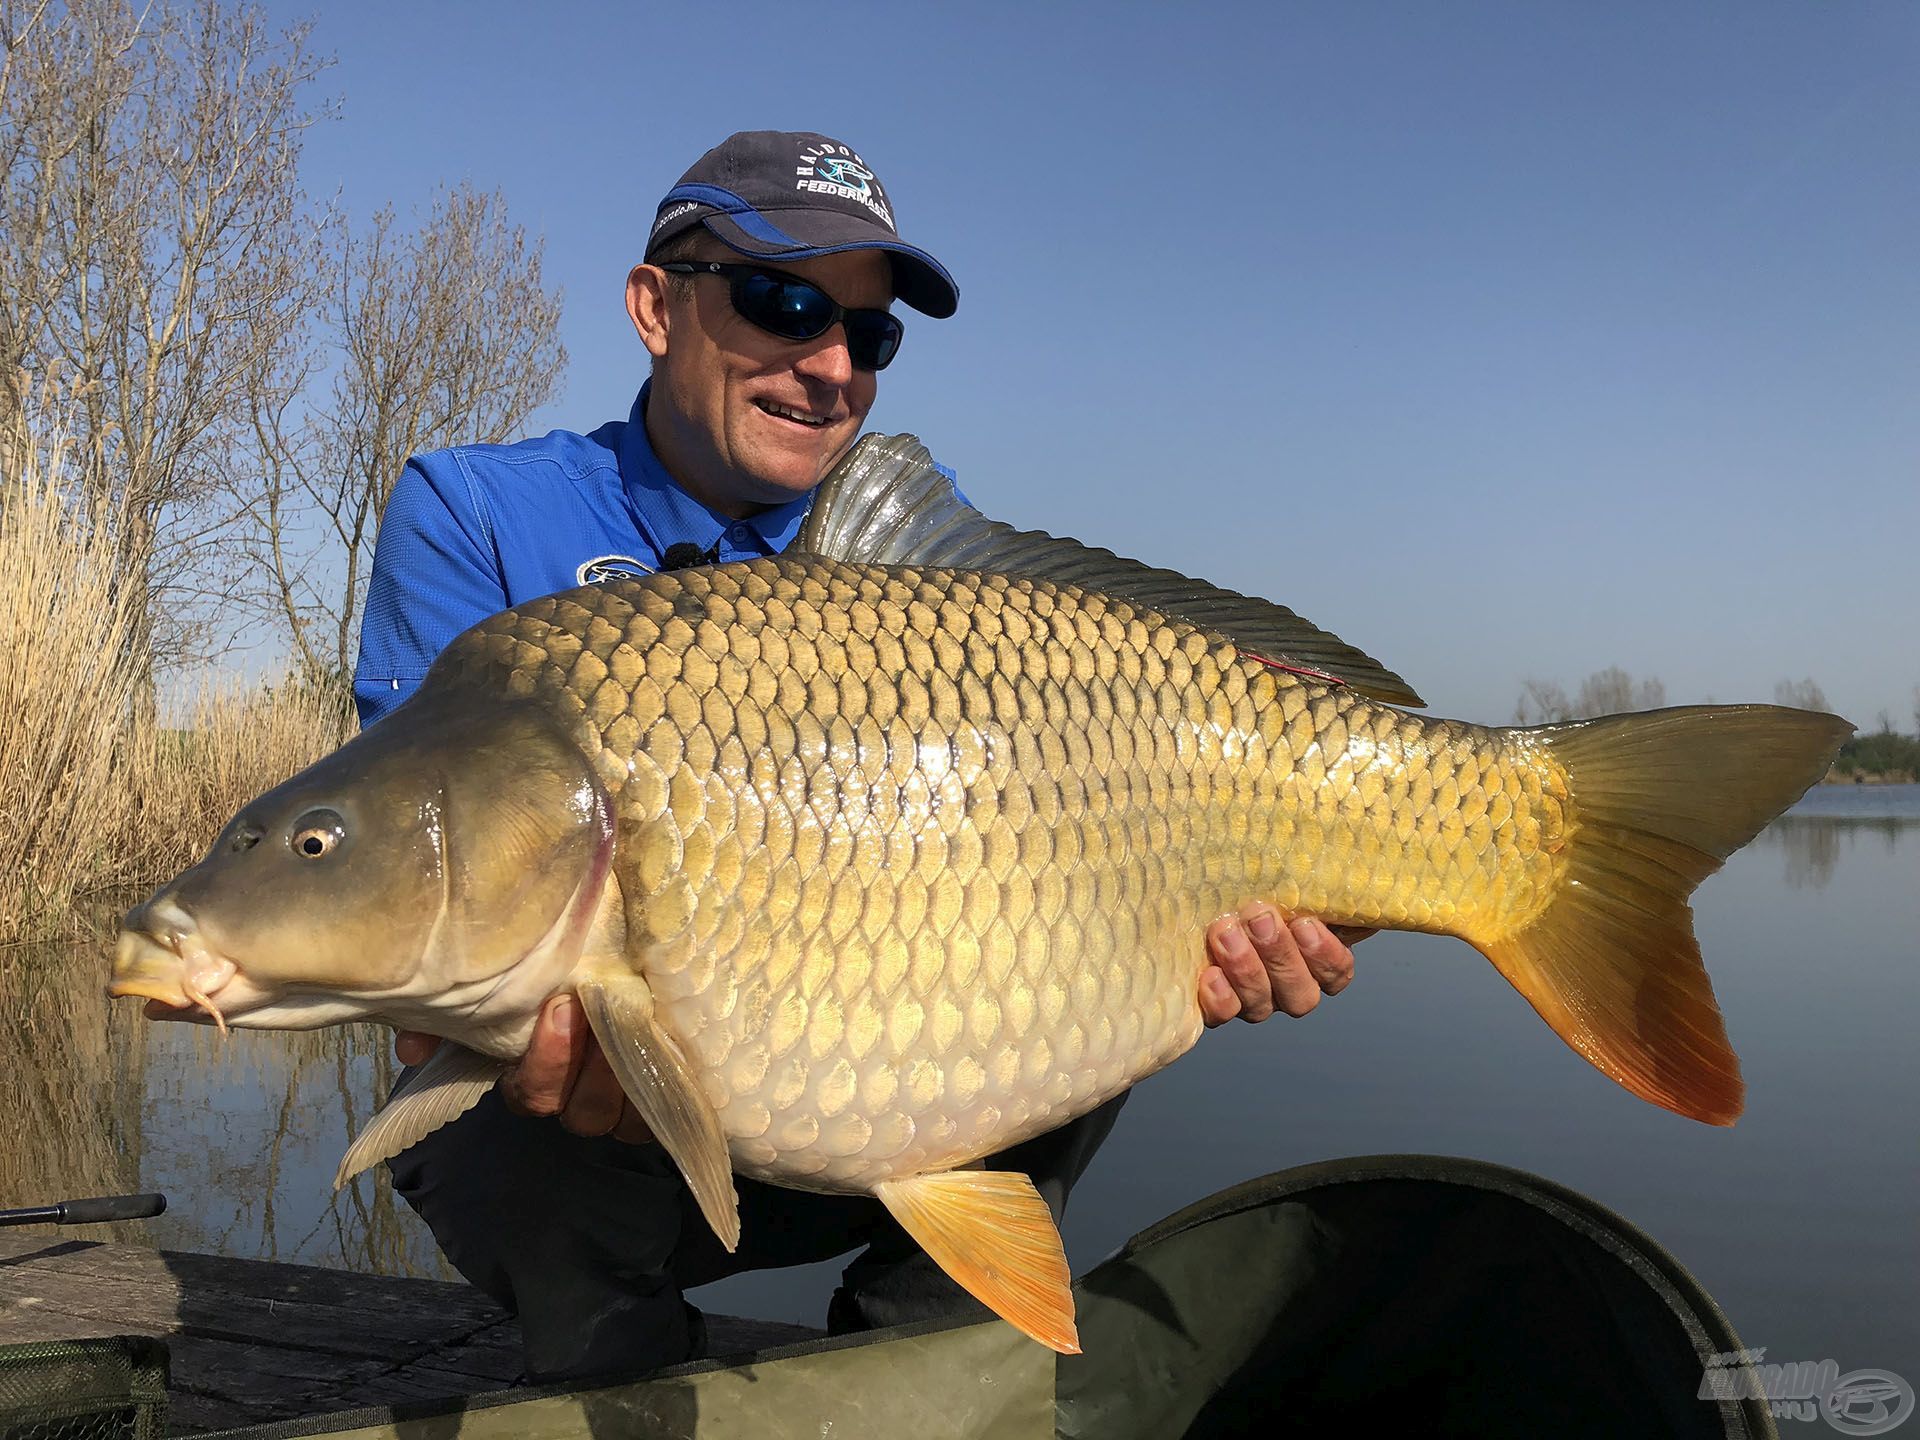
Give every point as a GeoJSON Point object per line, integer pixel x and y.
{"type": "Point", "coordinates": [849, 173]}
{"type": "Point", "coordinates": [836, 170]}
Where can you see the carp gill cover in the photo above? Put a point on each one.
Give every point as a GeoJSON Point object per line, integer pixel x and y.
{"type": "Point", "coordinates": [874, 858]}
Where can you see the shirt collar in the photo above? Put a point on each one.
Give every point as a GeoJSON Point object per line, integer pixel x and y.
{"type": "Point", "coordinates": [667, 514]}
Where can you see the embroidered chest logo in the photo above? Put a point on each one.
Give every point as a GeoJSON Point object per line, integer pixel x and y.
{"type": "Point", "coordinates": [611, 567]}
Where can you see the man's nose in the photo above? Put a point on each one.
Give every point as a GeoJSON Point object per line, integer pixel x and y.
{"type": "Point", "coordinates": [826, 359]}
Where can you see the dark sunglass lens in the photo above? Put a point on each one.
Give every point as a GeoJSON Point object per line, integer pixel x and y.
{"type": "Point", "coordinates": [786, 307]}
{"type": "Point", "coordinates": [873, 337]}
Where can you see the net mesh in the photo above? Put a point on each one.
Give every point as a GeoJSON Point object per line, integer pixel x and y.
{"type": "Point", "coordinates": [107, 1389]}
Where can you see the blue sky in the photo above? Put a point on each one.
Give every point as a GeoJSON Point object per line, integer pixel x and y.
{"type": "Point", "coordinates": [1502, 339]}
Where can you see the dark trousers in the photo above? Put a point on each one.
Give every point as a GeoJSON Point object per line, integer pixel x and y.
{"type": "Point", "coordinates": [591, 1241]}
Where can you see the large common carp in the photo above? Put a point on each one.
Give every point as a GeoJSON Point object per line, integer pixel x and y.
{"type": "Point", "coordinates": [877, 857]}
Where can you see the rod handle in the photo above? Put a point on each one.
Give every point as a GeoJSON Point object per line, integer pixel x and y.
{"type": "Point", "coordinates": [99, 1210]}
{"type": "Point", "coordinates": [111, 1207]}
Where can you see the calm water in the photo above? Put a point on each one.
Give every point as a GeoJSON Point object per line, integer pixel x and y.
{"type": "Point", "coordinates": [1800, 1220]}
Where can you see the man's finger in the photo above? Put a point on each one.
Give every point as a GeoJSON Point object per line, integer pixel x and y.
{"type": "Point", "coordinates": [1329, 961]}
{"type": "Point", "coordinates": [1229, 947]}
{"type": "Point", "coordinates": [544, 1078]}
{"type": "Point", "coordinates": [632, 1128]}
{"type": "Point", "coordinates": [1218, 1001]}
{"type": "Point", "coordinates": [1294, 988]}
{"type": "Point", "coordinates": [596, 1102]}
{"type": "Point", "coordinates": [414, 1047]}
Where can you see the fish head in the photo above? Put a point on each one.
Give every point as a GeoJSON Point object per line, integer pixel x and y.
{"type": "Point", "coordinates": [410, 871]}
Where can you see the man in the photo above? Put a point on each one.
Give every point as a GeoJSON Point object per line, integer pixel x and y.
{"type": "Point", "coordinates": [763, 300]}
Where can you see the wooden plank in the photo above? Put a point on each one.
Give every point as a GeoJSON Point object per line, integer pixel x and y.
{"type": "Point", "coordinates": [491, 1357]}
{"type": "Point", "coordinates": [39, 1276]}
{"type": "Point", "coordinates": [222, 1367]}
{"type": "Point", "coordinates": [216, 1384]}
{"type": "Point", "coordinates": [189, 1414]}
{"type": "Point", "coordinates": [255, 1340]}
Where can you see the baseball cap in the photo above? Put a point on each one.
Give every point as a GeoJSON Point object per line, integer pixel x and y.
{"type": "Point", "coordinates": [792, 195]}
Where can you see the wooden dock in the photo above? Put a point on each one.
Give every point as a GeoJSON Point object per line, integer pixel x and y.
{"type": "Point", "coordinates": [253, 1341]}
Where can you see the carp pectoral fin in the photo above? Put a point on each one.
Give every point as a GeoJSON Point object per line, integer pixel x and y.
{"type": "Point", "coordinates": [445, 1088]}
{"type": "Point", "coordinates": [661, 1085]}
{"type": "Point", "coordinates": [991, 1231]}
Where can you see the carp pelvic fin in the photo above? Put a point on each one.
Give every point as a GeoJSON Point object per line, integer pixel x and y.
{"type": "Point", "coordinates": [887, 503]}
{"type": "Point", "coordinates": [663, 1089]}
{"type": "Point", "coordinates": [991, 1231]}
{"type": "Point", "coordinates": [442, 1090]}
{"type": "Point", "coordinates": [1659, 800]}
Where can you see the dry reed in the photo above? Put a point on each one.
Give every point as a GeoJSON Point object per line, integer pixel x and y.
{"type": "Point", "coordinates": [232, 742]}
{"type": "Point", "coordinates": [98, 794]}
{"type": "Point", "coordinates": [64, 698]}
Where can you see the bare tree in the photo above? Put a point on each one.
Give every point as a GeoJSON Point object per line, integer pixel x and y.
{"type": "Point", "coordinates": [442, 335]}
{"type": "Point", "coordinates": [1605, 692]}
{"type": "Point", "coordinates": [150, 198]}
{"type": "Point", "coordinates": [1800, 694]}
{"type": "Point", "coordinates": [1542, 702]}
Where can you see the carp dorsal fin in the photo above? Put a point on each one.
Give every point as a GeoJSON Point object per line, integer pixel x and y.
{"type": "Point", "coordinates": [451, 1083]}
{"type": "Point", "coordinates": [887, 503]}
{"type": "Point", "coordinates": [648, 1063]}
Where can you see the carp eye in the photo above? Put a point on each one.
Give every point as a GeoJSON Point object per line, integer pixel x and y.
{"type": "Point", "coordinates": [316, 833]}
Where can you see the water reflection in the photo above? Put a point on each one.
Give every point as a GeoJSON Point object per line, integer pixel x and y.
{"type": "Point", "coordinates": [1813, 843]}
{"type": "Point", "coordinates": [70, 1113]}
{"type": "Point", "coordinates": [241, 1134]}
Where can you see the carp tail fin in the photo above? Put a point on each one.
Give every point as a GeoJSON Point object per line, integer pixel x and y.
{"type": "Point", "coordinates": [1660, 800]}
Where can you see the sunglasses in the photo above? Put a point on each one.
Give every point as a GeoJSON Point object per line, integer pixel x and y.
{"type": "Point", "coordinates": [789, 307]}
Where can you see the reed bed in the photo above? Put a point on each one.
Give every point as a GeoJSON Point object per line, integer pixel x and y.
{"type": "Point", "coordinates": [63, 700]}
{"type": "Point", "coordinates": [230, 742]}
{"type": "Point", "coordinates": [99, 794]}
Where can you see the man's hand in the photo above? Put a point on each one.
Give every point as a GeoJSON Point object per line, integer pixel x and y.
{"type": "Point", "coordinates": [1262, 964]}
{"type": "Point", "coordinates": [563, 1073]}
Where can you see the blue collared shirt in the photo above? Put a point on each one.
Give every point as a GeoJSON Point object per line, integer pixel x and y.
{"type": "Point", "coordinates": [474, 530]}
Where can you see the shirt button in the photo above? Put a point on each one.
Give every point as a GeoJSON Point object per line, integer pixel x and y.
{"type": "Point", "coordinates": [740, 535]}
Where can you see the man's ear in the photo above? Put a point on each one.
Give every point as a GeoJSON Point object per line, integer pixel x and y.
{"type": "Point", "coordinates": [647, 306]}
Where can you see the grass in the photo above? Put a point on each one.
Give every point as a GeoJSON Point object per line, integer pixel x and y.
{"type": "Point", "coordinates": [100, 795]}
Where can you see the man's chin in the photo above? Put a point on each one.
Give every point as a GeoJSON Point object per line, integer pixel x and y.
{"type": "Point", "coordinates": [790, 469]}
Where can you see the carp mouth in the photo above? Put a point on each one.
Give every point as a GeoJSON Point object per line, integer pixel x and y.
{"type": "Point", "coordinates": [164, 959]}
